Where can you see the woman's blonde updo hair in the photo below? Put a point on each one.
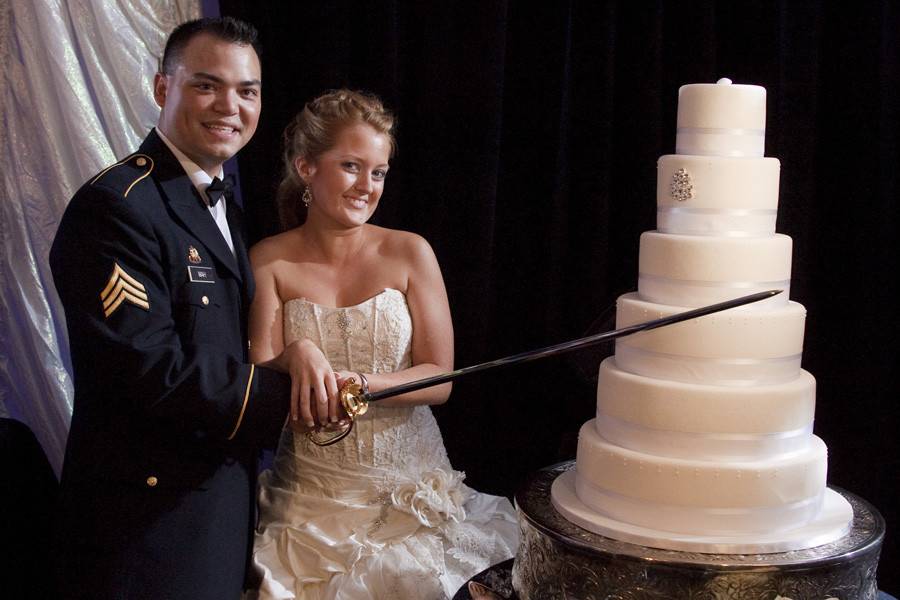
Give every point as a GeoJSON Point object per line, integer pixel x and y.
{"type": "Point", "coordinates": [314, 131]}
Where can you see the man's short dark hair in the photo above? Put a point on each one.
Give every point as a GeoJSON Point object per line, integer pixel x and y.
{"type": "Point", "coordinates": [227, 29]}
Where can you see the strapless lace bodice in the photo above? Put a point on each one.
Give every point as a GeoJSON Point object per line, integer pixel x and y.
{"type": "Point", "coordinates": [380, 514]}
{"type": "Point", "coordinates": [374, 336]}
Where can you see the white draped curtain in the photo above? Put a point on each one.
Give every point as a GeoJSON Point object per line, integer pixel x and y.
{"type": "Point", "coordinates": [76, 95]}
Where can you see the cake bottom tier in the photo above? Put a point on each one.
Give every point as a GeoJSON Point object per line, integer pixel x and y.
{"type": "Point", "coordinates": [831, 522]}
{"type": "Point", "coordinates": [559, 560]}
{"type": "Point", "coordinates": [700, 497]}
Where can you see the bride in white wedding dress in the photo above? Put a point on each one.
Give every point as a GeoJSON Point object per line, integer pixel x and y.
{"type": "Point", "coordinates": [381, 513]}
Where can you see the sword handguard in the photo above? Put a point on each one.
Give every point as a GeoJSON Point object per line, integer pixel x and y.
{"type": "Point", "coordinates": [355, 403]}
{"type": "Point", "coordinates": [353, 399]}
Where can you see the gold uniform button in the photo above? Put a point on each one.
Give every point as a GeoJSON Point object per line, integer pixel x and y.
{"type": "Point", "coordinates": [204, 300]}
{"type": "Point", "coordinates": [152, 481]}
{"type": "Point", "coordinates": [141, 162]}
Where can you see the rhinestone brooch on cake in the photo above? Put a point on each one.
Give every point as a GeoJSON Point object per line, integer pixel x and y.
{"type": "Point", "coordinates": [682, 186]}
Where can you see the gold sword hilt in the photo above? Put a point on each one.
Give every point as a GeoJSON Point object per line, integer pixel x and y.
{"type": "Point", "coordinates": [353, 400]}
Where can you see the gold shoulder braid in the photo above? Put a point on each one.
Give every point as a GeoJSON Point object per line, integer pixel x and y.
{"type": "Point", "coordinates": [143, 163]}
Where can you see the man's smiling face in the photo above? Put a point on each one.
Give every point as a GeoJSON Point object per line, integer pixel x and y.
{"type": "Point", "coordinates": [210, 100]}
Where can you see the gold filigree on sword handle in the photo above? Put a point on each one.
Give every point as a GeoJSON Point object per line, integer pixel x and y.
{"type": "Point", "coordinates": [353, 399]}
{"type": "Point", "coordinates": [354, 404]}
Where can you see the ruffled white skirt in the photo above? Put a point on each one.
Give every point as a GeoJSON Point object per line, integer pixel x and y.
{"type": "Point", "coordinates": [339, 531]}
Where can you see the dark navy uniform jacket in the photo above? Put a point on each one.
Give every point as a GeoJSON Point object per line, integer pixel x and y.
{"type": "Point", "coordinates": [157, 490]}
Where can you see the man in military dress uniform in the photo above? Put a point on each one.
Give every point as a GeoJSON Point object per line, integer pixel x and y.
{"type": "Point", "coordinates": [157, 496]}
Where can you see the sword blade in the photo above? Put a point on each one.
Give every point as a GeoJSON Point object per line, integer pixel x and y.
{"type": "Point", "coordinates": [584, 342]}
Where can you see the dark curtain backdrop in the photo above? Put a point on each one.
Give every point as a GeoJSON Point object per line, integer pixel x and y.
{"type": "Point", "coordinates": [528, 140]}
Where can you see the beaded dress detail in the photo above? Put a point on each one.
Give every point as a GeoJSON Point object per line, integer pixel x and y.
{"type": "Point", "coordinates": [380, 514]}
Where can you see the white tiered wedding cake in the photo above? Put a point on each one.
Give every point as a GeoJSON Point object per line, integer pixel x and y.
{"type": "Point", "coordinates": [703, 436]}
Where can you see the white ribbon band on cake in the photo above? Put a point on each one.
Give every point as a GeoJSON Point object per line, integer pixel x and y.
{"type": "Point", "coordinates": [701, 445]}
{"type": "Point", "coordinates": [709, 371]}
{"type": "Point", "coordinates": [722, 222]}
{"type": "Point", "coordinates": [696, 293]}
{"type": "Point", "coordinates": [697, 520]}
{"type": "Point", "coordinates": [715, 141]}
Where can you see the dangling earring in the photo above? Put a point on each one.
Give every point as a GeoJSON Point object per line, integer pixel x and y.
{"type": "Point", "coordinates": [307, 197]}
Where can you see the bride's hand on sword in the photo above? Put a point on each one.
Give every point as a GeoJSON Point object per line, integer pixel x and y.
{"type": "Point", "coordinates": [314, 388]}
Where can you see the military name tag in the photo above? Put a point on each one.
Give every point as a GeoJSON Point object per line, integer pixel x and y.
{"type": "Point", "coordinates": [201, 274]}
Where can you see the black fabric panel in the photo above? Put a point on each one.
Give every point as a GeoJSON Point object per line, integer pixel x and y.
{"type": "Point", "coordinates": [30, 491]}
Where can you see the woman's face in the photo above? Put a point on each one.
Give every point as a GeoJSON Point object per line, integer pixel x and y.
{"type": "Point", "coordinates": [346, 181]}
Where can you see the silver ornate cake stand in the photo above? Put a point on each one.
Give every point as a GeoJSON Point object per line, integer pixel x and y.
{"type": "Point", "coordinates": [558, 560]}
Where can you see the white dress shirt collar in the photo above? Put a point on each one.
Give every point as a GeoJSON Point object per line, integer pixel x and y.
{"type": "Point", "coordinates": [198, 176]}
{"type": "Point", "coordinates": [201, 181]}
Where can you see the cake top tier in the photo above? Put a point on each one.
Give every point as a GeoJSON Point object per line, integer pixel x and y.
{"type": "Point", "coordinates": [722, 105]}
{"type": "Point", "coordinates": [721, 119]}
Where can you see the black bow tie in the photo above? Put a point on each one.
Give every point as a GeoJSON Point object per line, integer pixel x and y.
{"type": "Point", "coordinates": [217, 189]}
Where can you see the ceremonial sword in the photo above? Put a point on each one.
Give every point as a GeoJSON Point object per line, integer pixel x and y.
{"type": "Point", "coordinates": [355, 399]}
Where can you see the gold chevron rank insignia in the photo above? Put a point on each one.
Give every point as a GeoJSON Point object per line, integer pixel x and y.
{"type": "Point", "coordinates": [122, 287]}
